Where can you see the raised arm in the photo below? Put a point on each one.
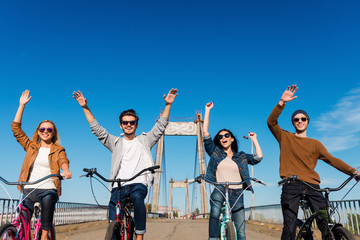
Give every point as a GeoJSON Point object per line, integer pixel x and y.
{"type": "Point", "coordinates": [101, 133]}
{"type": "Point", "coordinates": [272, 120]}
{"type": "Point", "coordinates": [253, 138]}
{"type": "Point", "coordinates": [83, 103]}
{"type": "Point", "coordinates": [208, 107]}
{"type": "Point", "coordinates": [169, 99]}
{"type": "Point", "coordinates": [24, 99]}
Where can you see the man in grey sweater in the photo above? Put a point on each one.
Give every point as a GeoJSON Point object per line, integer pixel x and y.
{"type": "Point", "coordinates": [130, 154]}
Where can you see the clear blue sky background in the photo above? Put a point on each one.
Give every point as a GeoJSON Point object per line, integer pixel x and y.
{"type": "Point", "coordinates": [126, 54]}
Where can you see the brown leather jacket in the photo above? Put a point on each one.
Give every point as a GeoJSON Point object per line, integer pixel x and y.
{"type": "Point", "coordinates": [57, 156]}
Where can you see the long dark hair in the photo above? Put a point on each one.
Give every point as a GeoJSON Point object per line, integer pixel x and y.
{"type": "Point", "coordinates": [234, 144]}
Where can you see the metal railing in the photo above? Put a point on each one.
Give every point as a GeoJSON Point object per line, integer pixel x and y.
{"type": "Point", "coordinates": [347, 213]}
{"type": "Point", "coordinates": [65, 213]}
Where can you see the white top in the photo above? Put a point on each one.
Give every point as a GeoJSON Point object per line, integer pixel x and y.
{"type": "Point", "coordinates": [228, 171]}
{"type": "Point", "coordinates": [133, 154]}
{"type": "Point", "coordinates": [40, 169]}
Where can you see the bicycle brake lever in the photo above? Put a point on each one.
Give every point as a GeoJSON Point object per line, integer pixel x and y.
{"type": "Point", "coordinates": [259, 181]}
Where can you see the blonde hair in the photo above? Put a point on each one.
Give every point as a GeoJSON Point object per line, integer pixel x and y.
{"type": "Point", "coordinates": [55, 139]}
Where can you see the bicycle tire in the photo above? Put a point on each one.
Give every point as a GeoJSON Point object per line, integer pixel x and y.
{"type": "Point", "coordinates": [341, 233]}
{"type": "Point", "coordinates": [8, 232]}
{"type": "Point", "coordinates": [230, 231]}
{"type": "Point", "coordinates": [51, 234]}
{"type": "Point", "coordinates": [114, 231]}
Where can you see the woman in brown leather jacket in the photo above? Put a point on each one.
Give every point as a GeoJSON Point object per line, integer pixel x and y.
{"type": "Point", "coordinates": [44, 156]}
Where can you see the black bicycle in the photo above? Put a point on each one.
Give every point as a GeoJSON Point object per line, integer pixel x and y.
{"type": "Point", "coordinates": [336, 230]}
{"type": "Point", "coordinates": [123, 227]}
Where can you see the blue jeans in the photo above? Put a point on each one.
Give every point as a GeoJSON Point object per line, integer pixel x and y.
{"type": "Point", "coordinates": [47, 199]}
{"type": "Point", "coordinates": [137, 193]}
{"type": "Point", "coordinates": [237, 212]}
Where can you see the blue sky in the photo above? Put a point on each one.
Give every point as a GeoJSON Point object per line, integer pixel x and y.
{"type": "Point", "coordinates": [126, 54]}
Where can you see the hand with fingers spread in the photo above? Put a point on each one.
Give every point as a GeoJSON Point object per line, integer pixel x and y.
{"type": "Point", "coordinates": [80, 98]}
{"type": "Point", "coordinates": [83, 103]}
{"type": "Point", "coordinates": [24, 99]}
{"type": "Point", "coordinates": [288, 95]}
{"type": "Point", "coordinates": [169, 99]}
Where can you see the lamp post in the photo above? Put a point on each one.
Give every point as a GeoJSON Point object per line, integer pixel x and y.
{"type": "Point", "coordinates": [251, 217]}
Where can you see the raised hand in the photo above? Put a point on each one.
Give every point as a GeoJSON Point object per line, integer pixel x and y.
{"type": "Point", "coordinates": [209, 106]}
{"type": "Point", "coordinates": [288, 95]}
{"type": "Point", "coordinates": [80, 98]}
{"type": "Point", "coordinates": [24, 99]}
{"type": "Point", "coordinates": [252, 135]}
{"type": "Point", "coordinates": [169, 99]}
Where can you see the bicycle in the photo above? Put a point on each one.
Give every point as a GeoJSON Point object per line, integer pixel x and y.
{"type": "Point", "coordinates": [122, 228]}
{"type": "Point", "coordinates": [227, 226]}
{"type": "Point", "coordinates": [20, 228]}
{"type": "Point", "coordinates": [336, 230]}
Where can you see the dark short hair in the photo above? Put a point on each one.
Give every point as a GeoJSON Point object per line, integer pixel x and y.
{"type": "Point", "coordinates": [130, 112]}
{"type": "Point", "coordinates": [234, 144]}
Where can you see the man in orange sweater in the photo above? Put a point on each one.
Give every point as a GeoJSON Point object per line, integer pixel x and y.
{"type": "Point", "coordinates": [298, 156]}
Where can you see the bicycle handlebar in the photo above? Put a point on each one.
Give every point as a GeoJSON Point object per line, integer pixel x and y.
{"type": "Point", "coordinates": [199, 178]}
{"type": "Point", "coordinates": [92, 171]}
{"type": "Point", "coordinates": [294, 178]}
{"type": "Point", "coordinates": [31, 183]}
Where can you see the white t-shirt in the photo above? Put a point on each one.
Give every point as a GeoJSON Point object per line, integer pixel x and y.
{"type": "Point", "coordinates": [40, 169]}
{"type": "Point", "coordinates": [133, 154]}
{"type": "Point", "coordinates": [228, 171]}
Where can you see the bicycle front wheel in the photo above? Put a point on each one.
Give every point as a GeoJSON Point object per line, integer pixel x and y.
{"type": "Point", "coordinates": [230, 231]}
{"type": "Point", "coordinates": [114, 231]}
{"type": "Point", "coordinates": [341, 233]}
{"type": "Point", "coordinates": [8, 232]}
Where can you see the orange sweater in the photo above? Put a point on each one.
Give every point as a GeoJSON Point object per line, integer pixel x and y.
{"type": "Point", "coordinates": [57, 156]}
{"type": "Point", "coordinates": [299, 155]}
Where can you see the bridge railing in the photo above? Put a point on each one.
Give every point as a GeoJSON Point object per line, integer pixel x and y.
{"type": "Point", "coordinates": [65, 213]}
{"type": "Point", "coordinates": [347, 213]}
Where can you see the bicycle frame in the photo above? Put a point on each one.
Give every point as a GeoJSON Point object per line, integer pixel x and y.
{"type": "Point", "coordinates": [226, 209]}
{"type": "Point", "coordinates": [126, 226]}
{"type": "Point", "coordinates": [305, 226]}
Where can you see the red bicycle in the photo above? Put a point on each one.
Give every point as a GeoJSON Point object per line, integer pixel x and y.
{"type": "Point", "coordinates": [123, 226]}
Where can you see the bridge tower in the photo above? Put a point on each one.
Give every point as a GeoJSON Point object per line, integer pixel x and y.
{"type": "Point", "coordinates": [193, 128]}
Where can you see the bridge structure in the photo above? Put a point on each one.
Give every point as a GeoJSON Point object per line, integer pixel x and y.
{"type": "Point", "coordinates": [181, 128]}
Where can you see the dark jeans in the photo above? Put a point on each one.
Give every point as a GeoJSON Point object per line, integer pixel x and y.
{"type": "Point", "coordinates": [47, 199]}
{"type": "Point", "coordinates": [237, 212]}
{"type": "Point", "coordinates": [137, 193]}
{"type": "Point", "coordinates": [290, 197]}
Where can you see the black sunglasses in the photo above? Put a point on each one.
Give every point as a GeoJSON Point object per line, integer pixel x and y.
{"type": "Point", "coordinates": [49, 130]}
{"type": "Point", "coordinates": [303, 119]}
{"type": "Point", "coordinates": [132, 123]}
{"type": "Point", "coordinates": [226, 135]}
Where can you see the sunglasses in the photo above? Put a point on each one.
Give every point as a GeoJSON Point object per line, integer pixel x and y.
{"type": "Point", "coordinates": [132, 123]}
{"type": "Point", "coordinates": [226, 135]}
{"type": "Point", "coordinates": [49, 130]}
{"type": "Point", "coordinates": [303, 119]}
